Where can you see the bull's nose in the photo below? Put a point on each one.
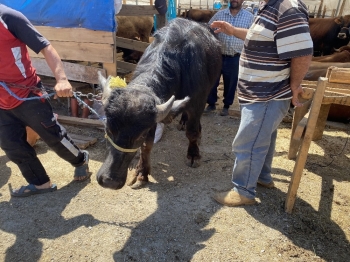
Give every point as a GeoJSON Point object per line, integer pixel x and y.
{"type": "Point", "coordinates": [342, 35]}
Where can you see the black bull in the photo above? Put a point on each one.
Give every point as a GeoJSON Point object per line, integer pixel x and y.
{"type": "Point", "coordinates": [174, 75]}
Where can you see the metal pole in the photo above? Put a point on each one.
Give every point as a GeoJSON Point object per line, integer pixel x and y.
{"type": "Point", "coordinates": [336, 12]}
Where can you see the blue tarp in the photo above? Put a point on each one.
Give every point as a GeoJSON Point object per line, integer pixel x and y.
{"type": "Point", "coordinates": [90, 14]}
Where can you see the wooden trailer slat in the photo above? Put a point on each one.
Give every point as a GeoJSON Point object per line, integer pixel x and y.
{"type": "Point", "coordinates": [137, 10]}
{"type": "Point", "coordinates": [81, 35]}
{"type": "Point", "coordinates": [131, 44]}
{"type": "Point", "coordinates": [74, 72]}
{"type": "Point", "coordinates": [82, 51]}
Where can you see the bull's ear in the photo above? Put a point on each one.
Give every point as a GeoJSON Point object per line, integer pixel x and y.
{"type": "Point", "coordinates": [339, 20]}
{"type": "Point", "coordinates": [105, 87]}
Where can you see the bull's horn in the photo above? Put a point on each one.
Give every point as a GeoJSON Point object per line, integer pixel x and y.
{"type": "Point", "coordinates": [105, 87]}
{"type": "Point", "coordinates": [164, 109]}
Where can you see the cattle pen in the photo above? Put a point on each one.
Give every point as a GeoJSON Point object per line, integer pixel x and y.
{"type": "Point", "coordinates": [174, 218]}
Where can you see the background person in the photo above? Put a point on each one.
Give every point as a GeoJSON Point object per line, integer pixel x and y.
{"type": "Point", "coordinates": [17, 72]}
{"type": "Point", "coordinates": [231, 50]}
{"type": "Point", "coordinates": [276, 56]}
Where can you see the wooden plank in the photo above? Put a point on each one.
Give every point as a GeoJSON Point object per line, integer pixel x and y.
{"type": "Point", "coordinates": [137, 10]}
{"type": "Point", "coordinates": [69, 120]}
{"type": "Point", "coordinates": [83, 141]}
{"type": "Point", "coordinates": [339, 99]}
{"type": "Point", "coordinates": [82, 51]}
{"type": "Point", "coordinates": [305, 145]}
{"type": "Point", "coordinates": [111, 68]}
{"type": "Point", "coordinates": [298, 115]}
{"type": "Point", "coordinates": [321, 121]}
{"type": "Point", "coordinates": [299, 130]}
{"type": "Point", "coordinates": [313, 84]}
{"type": "Point", "coordinates": [131, 44]}
{"type": "Point", "coordinates": [339, 75]}
{"type": "Point", "coordinates": [75, 72]}
{"type": "Point", "coordinates": [126, 65]}
{"type": "Point", "coordinates": [80, 35]}
{"type": "Point", "coordinates": [83, 138]}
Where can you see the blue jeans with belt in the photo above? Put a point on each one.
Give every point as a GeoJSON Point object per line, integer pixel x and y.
{"type": "Point", "coordinates": [254, 144]}
{"type": "Point", "coordinates": [229, 72]}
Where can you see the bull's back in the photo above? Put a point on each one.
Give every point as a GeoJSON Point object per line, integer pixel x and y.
{"type": "Point", "coordinates": [184, 58]}
{"type": "Point", "coordinates": [322, 28]}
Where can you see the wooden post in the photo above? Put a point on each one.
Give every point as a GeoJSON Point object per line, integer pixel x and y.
{"type": "Point", "coordinates": [305, 145]}
{"type": "Point", "coordinates": [324, 11]}
{"type": "Point", "coordinates": [321, 122]}
{"type": "Point", "coordinates": [341, 8]}
{"type": "Point", "coordinates": [319, 9]}
{"type": "Point", "coordinates": [298, 115]}
{"type": "Point", "coordinates": [333, 12]}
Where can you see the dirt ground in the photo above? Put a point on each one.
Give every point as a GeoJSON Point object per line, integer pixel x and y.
{"type": "Point", "coordinates": [174, 218]}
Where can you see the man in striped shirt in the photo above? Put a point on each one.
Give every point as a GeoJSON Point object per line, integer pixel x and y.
{"type": "Point", "coordinates": [231, 49]}
{"type": "Point", "coordinates": [275, 58]}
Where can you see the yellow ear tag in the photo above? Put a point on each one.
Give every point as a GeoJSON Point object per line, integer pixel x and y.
{"type": "Point", "coordinates": [117, 82]}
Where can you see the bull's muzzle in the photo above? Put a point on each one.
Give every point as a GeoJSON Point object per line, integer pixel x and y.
{"type": "Point", "coordinates": [342, 35]}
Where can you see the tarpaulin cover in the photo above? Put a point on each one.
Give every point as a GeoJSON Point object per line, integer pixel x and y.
{"type": "Point", "coordinates": [90, 14]}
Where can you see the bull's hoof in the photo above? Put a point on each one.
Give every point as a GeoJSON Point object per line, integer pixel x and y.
{"type": "Point", "coordinates": [138, 184]}
{"type": "Point", "coordinates": [193, 163]}
{"type": "Point", "coordinates": [132, 181]}
{"type": "Point", "coordinates": [181, 126]}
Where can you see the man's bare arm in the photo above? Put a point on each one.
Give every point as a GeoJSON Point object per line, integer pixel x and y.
{"type": "Point", "coordinates": [298, 70]}
{"type": "Point", "coordinates": [63, 88]}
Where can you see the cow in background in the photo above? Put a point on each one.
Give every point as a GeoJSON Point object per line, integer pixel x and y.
{"type": "Point", "coordinates": [329, 33]}
{"type": "Point", "coordinates": [174, 76]}
{"type": "Point", "coordinates": [132, 27]}
{"type": "Point", "coordinates": [137, 28]}
{"type": "Point", "coordinates": [198, 15]}
{"type": "Point", "coordinates": [337, 57]}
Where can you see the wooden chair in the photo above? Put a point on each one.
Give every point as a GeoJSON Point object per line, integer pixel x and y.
{"type": "Point", "coordinates": [309, 120]}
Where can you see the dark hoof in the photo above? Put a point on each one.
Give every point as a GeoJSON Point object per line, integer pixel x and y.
{"type": "Point", "coordinates": [180, 127]}
{"type": "Point", "coordinates": [193, 163]}
{"type": "Point", "coordinates": [138, 184]}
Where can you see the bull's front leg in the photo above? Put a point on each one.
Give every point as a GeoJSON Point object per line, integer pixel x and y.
{"type": "Point", "coordinates": [143, 168]}
{"type": "Point", "coordinates": [193, 133]}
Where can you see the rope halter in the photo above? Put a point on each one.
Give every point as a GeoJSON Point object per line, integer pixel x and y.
{"type": "Point", "coordinates": [121, 149]}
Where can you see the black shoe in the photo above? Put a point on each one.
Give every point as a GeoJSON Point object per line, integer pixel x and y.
{"type": "Point", "coordinates": [224, 112]}
{"type": "Point", "coordinates": [210, 108]}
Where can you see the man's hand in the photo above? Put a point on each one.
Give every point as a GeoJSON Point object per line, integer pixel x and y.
{"type": "Point", "coordinates": [296, 92]}
{"type": "Point", "coordinates": [63, 88]}
{"type": "Point", "coordinates": [228, 29]}
{"type": "Point", "coordinates": [222, 27]}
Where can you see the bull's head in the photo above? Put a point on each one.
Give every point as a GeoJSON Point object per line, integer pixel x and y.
{"type": "Point", "coordinates": [131, 117]}
{"type": "Point", "coordinates": [344, 23]}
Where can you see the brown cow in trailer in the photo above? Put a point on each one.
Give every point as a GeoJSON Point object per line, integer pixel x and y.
{"type": "Point", "coordinates": [174, 76]}
{"type": "Point", "coordinates": [337, 57]}
{"type": "Point", "coordinates": [329, 33]}
{"type": "Point", "coordinates": [132, 27]}
{"type": "Point", "coordinates": [198, 15]}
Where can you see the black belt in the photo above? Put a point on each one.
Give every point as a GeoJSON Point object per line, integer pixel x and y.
{"type": "Point", "coordinates": [236, 54]}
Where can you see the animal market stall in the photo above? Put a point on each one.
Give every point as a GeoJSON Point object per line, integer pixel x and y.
{"type": "Point", "coordinates": [309, 120]}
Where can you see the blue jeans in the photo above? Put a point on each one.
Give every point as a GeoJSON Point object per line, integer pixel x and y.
{"type": "Point", "coordinates": [254, 144]}
{"type": "Point", "coordinates": [229, 71]}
